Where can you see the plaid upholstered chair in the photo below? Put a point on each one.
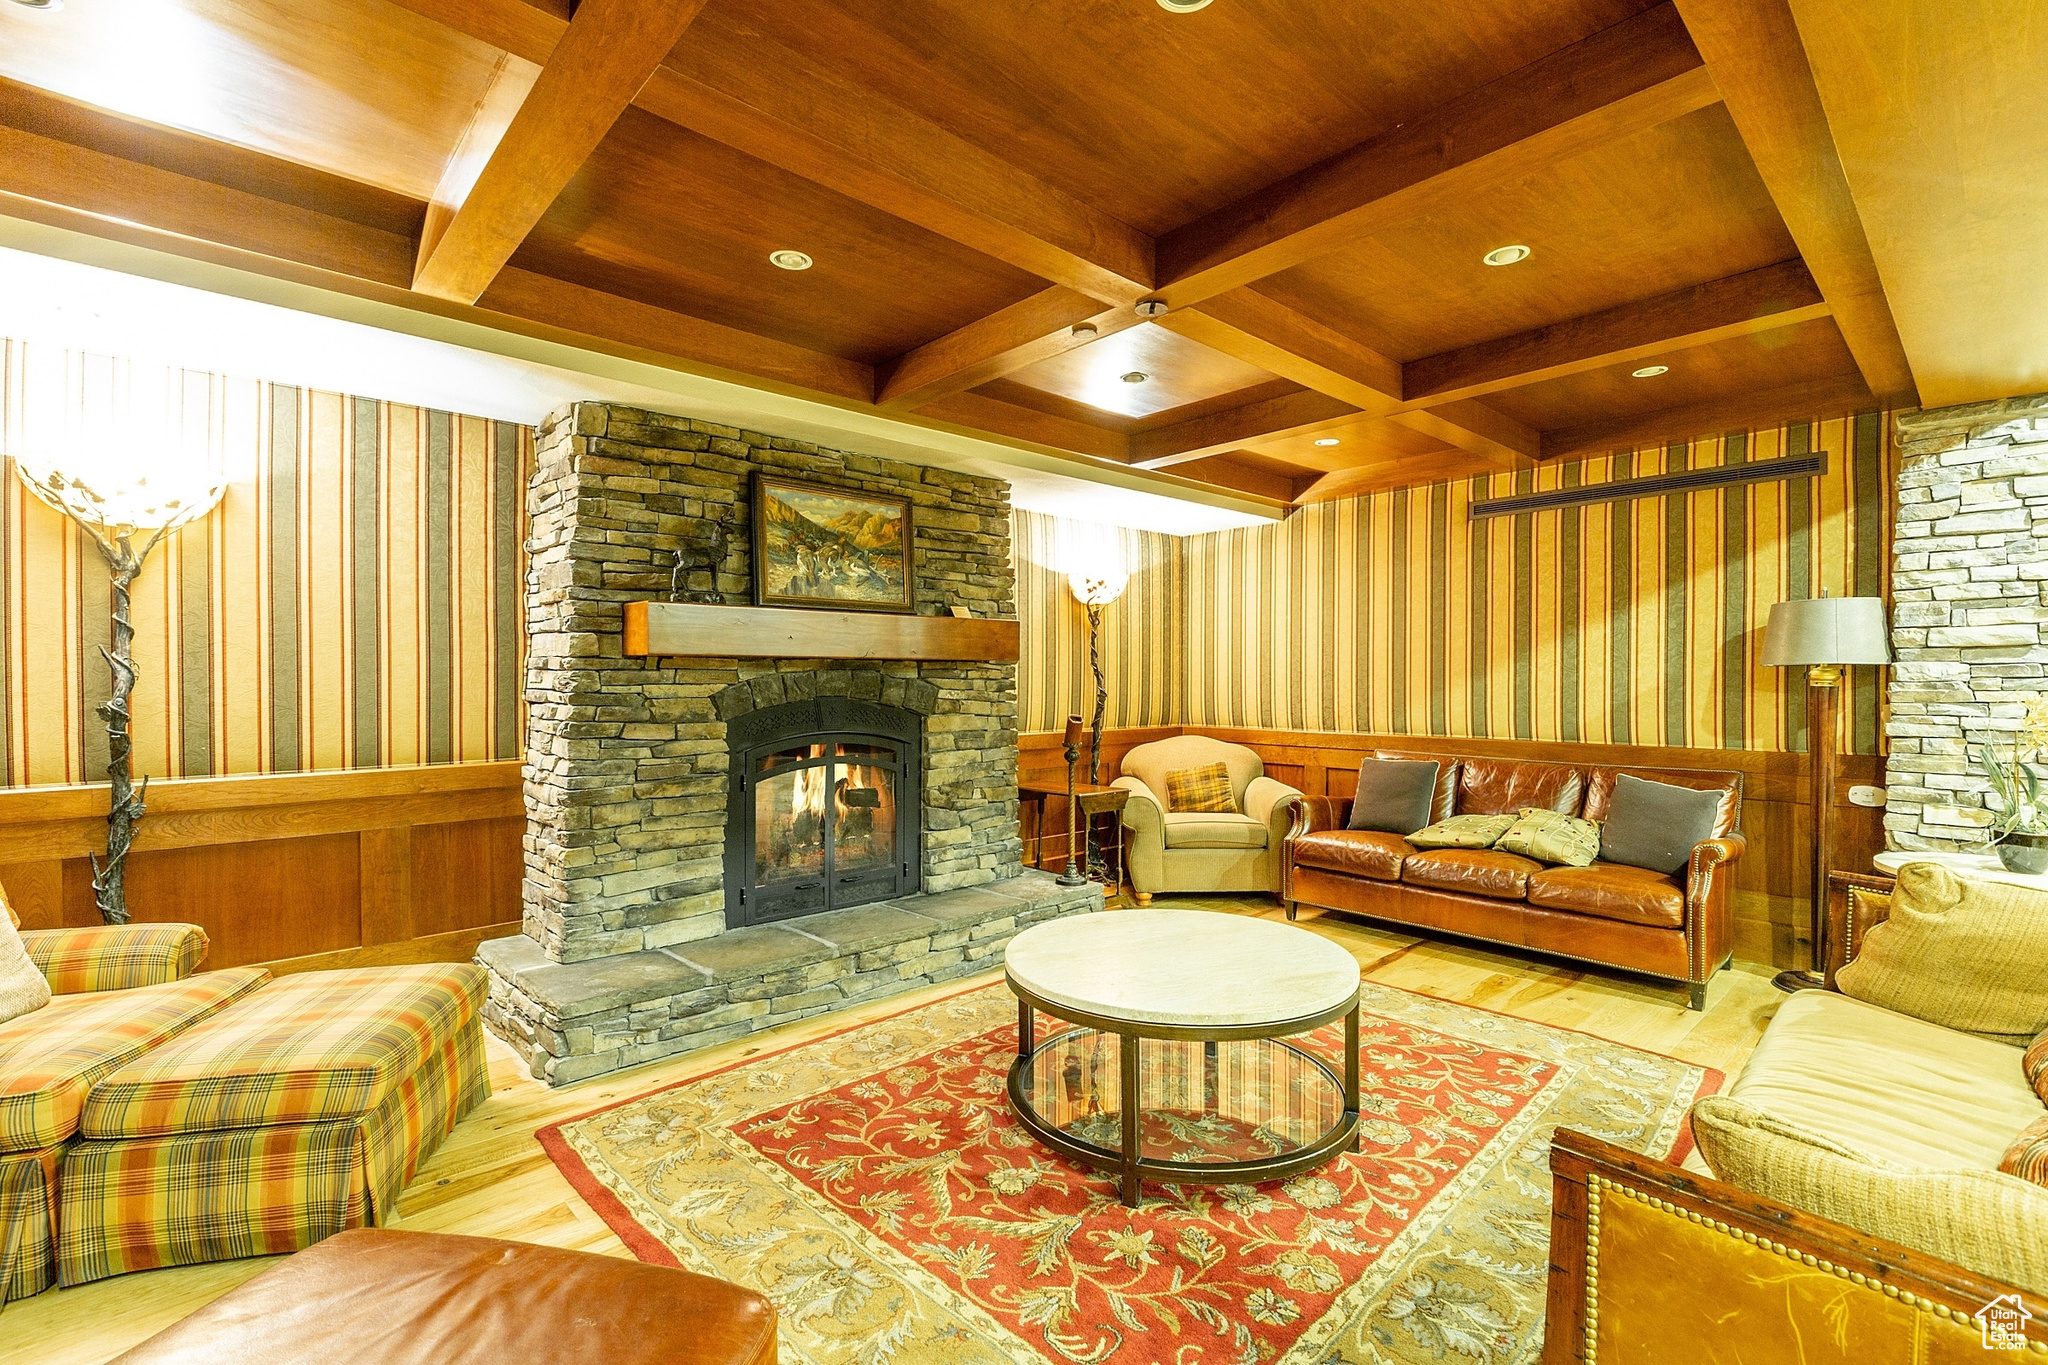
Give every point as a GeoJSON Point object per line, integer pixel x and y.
{"type": "Point", "coordinates": [1187, 829]}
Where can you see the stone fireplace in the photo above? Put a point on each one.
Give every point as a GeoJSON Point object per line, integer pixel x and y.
{"type": "Point", "coordinates": [717, 845]}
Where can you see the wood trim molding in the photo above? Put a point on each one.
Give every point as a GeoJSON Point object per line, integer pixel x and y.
{"type": "Point", "coordinates": [684, 629]}
{"type": "Point", "coordinates": [43, 823]}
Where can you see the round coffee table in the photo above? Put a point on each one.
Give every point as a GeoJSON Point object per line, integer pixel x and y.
{"type": "Point", "coordinates": [1195, 1007]}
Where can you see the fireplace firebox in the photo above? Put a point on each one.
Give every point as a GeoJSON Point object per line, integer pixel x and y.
{"type": "Point", "coordinates": [822, 809]}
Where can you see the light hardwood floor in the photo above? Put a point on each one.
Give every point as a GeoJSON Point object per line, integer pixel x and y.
{"type": "Point", "coordinates": [490, 1177]}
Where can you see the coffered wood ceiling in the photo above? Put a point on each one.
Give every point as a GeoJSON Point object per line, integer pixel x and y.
{"type": "Point", "coordinates": [1307, 186]}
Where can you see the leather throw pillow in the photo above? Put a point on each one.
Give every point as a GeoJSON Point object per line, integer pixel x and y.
{"type": "Point", "coordinates": [1394, 795]}
{"type": "Point", "coordinates": [1553, 837]}
{"type": "Point", "coordinates": [1968, 955]}
{"type": "Point", "coordinates": [22, 986]}
{"type": "Point", "coordinates": [1463, 831]}
{"type": "Point", "coordinates": [1655, 825]}
{"type": "Point", "coordinates": [1206, 788]}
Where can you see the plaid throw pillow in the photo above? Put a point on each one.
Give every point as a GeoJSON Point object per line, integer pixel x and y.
{"type": "Point", "coordinates": [1206, 788]}
{"type": "Point", "coordinates": [2027, 1158]}
{"type": "Point", "coordinates": [1550, 836]}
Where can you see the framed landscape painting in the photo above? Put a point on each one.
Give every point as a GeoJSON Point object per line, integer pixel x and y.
{"type": "Point", "coordinates": [819, 546]}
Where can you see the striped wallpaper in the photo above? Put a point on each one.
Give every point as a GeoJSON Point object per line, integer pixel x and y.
{"type": "Point", "coordinates": [1627, 623]}
{"type": "Point", "coordinates": [1141, 630]}
{"type": "Point", "coordinates": [353, 602]}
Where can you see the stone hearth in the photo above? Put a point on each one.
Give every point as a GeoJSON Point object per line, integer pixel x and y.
{"type": "Point", "coordinates": [626, 956]}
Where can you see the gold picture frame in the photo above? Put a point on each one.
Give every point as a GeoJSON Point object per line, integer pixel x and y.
{"type": "Point", "coordinates": [822, 547]}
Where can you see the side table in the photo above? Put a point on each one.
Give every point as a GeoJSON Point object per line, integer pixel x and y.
{"type": "Point", "coordinates": [1096, 803]}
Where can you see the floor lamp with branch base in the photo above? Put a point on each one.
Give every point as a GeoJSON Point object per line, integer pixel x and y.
{"type": "Point", "coordinates": [116, 503]}
{"type": "Point", "coordinates": [1823, 635]}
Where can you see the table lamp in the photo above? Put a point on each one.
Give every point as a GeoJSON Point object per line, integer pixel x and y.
{"type": "Point", "coordinates": [1822, 635]}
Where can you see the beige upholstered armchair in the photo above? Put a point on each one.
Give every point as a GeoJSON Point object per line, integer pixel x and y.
{"type": "Point", "coordinates": [1203, 851]}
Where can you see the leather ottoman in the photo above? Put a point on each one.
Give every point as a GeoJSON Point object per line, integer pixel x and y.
{"type": "Point", "coordinates": [402, 1297]}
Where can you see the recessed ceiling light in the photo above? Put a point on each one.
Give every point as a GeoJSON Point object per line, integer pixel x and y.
{"type": "Point", "coordinates": [1649, 371]}
{"type": "Point", "coordinates": [1183, 6]}
{"type": "Point", "coordinates": [1136, 377]}
{"type": "Point", "coordinates": [1084, 330]}
{"type": "Point", "coordinates": [1149, 308]}
{"type": "Point", "coordinates": [1506, 255]}
{"type": "Point", "coordinates": [790, 260]}
{"type": "Point", "coordinates": [47, 5]}
{"type": "Point", "coordinates": [1328, 441]}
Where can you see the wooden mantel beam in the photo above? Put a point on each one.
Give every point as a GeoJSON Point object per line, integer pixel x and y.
{"type": "Point", "coordinates": [1635, 75]}
{"type": "Point", "coordinates": [605, 55]}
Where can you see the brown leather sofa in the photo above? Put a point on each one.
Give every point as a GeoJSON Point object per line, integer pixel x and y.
{"type": "Point", "coordinates": [1675, 927]}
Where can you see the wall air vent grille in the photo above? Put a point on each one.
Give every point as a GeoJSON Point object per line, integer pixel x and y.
{"type": "Point", "coordinates": [1658, 485]}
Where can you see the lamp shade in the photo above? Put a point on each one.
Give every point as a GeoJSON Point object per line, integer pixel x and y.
{"type": "Point", "coordinates": [115, 489]}
{"type": "Point", "coordinates": [1827, 630]}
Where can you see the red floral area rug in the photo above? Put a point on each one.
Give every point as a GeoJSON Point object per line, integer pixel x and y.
{"type": "Point", "coordinates": [876, 1185]}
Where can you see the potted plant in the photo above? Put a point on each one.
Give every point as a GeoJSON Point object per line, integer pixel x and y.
{"type": "Point", "coordinates": [2021, 829]}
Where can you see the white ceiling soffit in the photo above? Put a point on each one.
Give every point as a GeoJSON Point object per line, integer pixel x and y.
{"type": "Point", "coordinates": [118, 299]}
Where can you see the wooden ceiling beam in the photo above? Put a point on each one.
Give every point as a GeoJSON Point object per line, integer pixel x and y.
{"type": "Point", "coordinates": [1755, 301]}
{"type": "Point", "coordinates": [1635, 75]}
{"type": "Point", "coordinates": [1263, 332]}
{"type": "Point", "coordinates": [49, 171]}
{"type": "Point", "coordinates": [607, 53]}
{"type": "Point", "coordinates": [978, 412]}
{"type": "Point", "coordinates": [1215, 433]}
{"type": "Point", "coordinates": [780, 107]}
{"type": "Point", "coordinates": [1242, 478]}
{"type": "Point", "coordinates": [1026, 332]}
{"type": "Point", "coordinates": [1759, 63]}
{"type": "Point", "coordinates": [1812, 399]}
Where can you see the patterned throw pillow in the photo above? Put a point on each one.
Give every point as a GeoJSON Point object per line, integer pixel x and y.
{"type": "Point", "coordinates": [1463, 831]}
{"type": "Point", "coordinates": [2036, 1063]}
{"type": "Point", "coordinates": [1551, 836]}
{"type": "Point", "coordinates": [22, 985]}
{"type": "Point", "coordinates": [1206, 788]}
{"type": "Point", "coordinates": [2027, 1158]}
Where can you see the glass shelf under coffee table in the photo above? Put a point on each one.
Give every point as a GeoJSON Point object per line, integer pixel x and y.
{"type": "Point", "coordinates": [1190, 1011]}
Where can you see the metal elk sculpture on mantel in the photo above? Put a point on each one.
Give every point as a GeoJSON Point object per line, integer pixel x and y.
{"type": "Point", "coordinates": [116, 498]}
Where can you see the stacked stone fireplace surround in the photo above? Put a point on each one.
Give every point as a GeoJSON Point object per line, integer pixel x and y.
{"type": "Point", "coordinates": [625, 955]}
{"type": "Point", "coordinates": [1970, 610]}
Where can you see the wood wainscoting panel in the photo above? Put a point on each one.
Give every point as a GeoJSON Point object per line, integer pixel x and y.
{"type": "Point", "coordinates": [379, 865]}
{"type": "Point", "coordinates": [1770, 901]}
{"type": "Point", "coordinates": [467, 875]}
{"type": "Point", "coordinates": [256, 901]}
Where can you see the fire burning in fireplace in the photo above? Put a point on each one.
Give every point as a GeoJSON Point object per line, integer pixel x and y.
{"type": "Point", "coordinates": [848, 808]}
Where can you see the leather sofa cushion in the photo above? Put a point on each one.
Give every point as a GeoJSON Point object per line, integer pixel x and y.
{"type": "Point", "coordinates": [1359, 852]}
{"type": "Point", "coordinates": [1213, 829]}
{"type": "Point", "coordinates": [1633, 895]}
{"type": "Point", "coordinates": [1471, 872]}
{"type": "Point", "coordinates": [401, 1298]}
{"type": "Point", "coordinates": [1899, 1088]}
{"type": "Point", "coordinates": [1600, 790]}
{"type": "Point", "coordinates": [1502, 786]}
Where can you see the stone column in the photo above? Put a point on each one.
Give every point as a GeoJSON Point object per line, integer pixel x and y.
{"type": "Point", "coordinates": [1970, 596]}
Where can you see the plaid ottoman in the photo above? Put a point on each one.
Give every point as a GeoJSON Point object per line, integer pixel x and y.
{"type": "Point", "coordinates": [300, 1112]}
{"type": "Point", "coordinates": [49, 1061]}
